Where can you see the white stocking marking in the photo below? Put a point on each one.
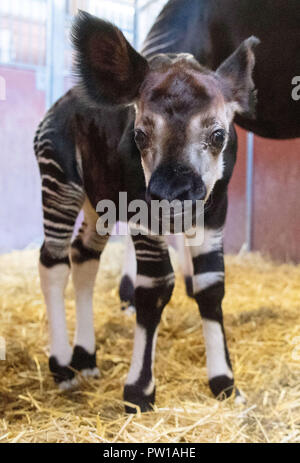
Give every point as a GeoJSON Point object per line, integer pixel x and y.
{"type": "Point", "coordinates": [215, 350]}
{"type": "Point", "coordinates": [53, 284]}
{"type": "Point", "coordinates": [129, 265]}
{"type": "Point", "coordinates": [84, 275]}
{"type": "Point", "coordinates": [140, 340]}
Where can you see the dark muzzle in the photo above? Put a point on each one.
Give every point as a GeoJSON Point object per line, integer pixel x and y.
{"type": "Point", "coordinates": [175, 182]}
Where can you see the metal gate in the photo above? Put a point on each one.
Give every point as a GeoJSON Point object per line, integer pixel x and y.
{"type": "Point", "coordinates": [34, 34]}
{"type": "Point", "coordinates": [35, 70]}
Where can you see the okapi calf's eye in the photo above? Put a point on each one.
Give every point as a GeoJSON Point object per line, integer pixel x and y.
{"type": "Point", "coordinates": [217, 139]}
{"type": "Point", "coordinates": [141, 139]}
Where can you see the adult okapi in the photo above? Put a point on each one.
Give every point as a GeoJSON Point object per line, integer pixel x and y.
{"type": "Point", "coordinates": [155, 124]}
{"type": "Point", "coordinates": [211, 30]}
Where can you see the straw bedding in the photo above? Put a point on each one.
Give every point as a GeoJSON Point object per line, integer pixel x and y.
{"type": "Point", "coordinates": [262, 320]}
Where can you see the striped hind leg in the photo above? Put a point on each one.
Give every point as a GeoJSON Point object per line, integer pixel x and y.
{"type": "Point", "coordinates": [62, 202]}
{"type": "Point", "coordinates": [208, 286]}
{"type": "Point", "coordinates": [154, 286]}
{"type": "Point", "coordinates": [85, 255]}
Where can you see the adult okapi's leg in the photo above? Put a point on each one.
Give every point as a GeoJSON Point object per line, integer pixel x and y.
{"type": "Point", "coordinates": [208, 282]}
{"type": "Point", "coordinates": [154, 286]}
{"type": "Point", "coordinates": [85, 254]}
{"type": "Point", "coordinates": [62, 202]}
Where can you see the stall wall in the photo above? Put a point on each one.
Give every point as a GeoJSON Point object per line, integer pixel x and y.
{"type": "Point", "coordinates": [276, 218]}
{"type": "Point", "coordinates": [20, 205]}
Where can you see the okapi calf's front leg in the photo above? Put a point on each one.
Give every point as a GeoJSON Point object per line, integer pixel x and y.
{"type": "Point", "coordinates": [154, 286]}
{"type": "Point", "coordinates": [208, 282]}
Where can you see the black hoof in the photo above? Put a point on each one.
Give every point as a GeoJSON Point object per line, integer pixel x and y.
{"type": "Point", "coordinates": [82, 360]}
{"type": "Point", "coordinates": [134, 395]}
{"type": "Point", "coordinates": [126, 292]}
{"type": "Point", "coordinates": [59, 373]}
{"type": "Point", "coordinates": [189, 286]}
{"type": "Point", "coordinates": [222, 387]}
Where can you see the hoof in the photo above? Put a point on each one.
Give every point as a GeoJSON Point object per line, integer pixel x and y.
{"type": "Point", "coordinates": [130, 310]}
{"type": "Point", "coordinates": [68, 385]}
{"type": "Point", "coordinates": [239, 398]}
{"type": "Point", "coordinates": [60, 374]}
{"type": "Point", "coordinates": [222, 387]}
{"type": "Point", "coordinates": [90, 373]}
{"type": "Point", "coordinates": [82, 360]}
{"type": "Point", "coordinates": [135, 396]}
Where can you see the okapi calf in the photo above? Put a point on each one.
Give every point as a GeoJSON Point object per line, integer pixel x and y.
{"type": "Point", "coordinates": [159, 128]}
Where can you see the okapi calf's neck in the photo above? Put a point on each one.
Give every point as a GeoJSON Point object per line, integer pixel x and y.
{"type": "Point", "coordinates": [160, 128]}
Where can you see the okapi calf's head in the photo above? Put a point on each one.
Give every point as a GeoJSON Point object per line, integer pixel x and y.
{"type": "Point", "coordinates": [183, 110]}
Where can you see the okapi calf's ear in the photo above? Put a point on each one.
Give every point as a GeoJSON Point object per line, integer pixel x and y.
{"type": "Point", "coordinates": [111, 70]}
{"type": "Point", "coordinates": [236, 74]}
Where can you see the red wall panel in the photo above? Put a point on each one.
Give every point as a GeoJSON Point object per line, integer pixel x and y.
{"type": "Point", "coordinates": [236, 217]}
{"type": "Point", "coordinates": [277, 198]}
{"type": "Point", "coordinates": [20, 206]}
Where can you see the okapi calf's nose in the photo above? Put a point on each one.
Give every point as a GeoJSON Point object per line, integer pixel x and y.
{"type": "Point", "coordinates": [175, 183]}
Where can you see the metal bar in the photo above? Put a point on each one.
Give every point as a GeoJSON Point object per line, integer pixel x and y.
{"type": "Point", "coordinates": [121, 2]}
{"type": "Point", "coordinates": [249, 191]}
{"type": "Point", "coordinates": [136, 24]}
{"type": "Point", "coordinates": [55, 50]}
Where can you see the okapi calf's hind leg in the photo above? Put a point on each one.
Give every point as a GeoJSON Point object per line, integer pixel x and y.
{"type": "Point", "coordinates": [154, 286]}
{"type": "Point", "coordinates": [54, 272]}
{"type": "Point", "coordinates": [62, 202]}
{"type": "Point", "coordinates": [208, 283]}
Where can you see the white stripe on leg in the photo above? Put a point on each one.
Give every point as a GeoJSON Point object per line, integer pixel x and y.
{"type": "Point", "coordinates": [84, 275]}
{"type": "Point", "coordinates": [213, 240]}
{"type": "Point", "coordinates": [184, 255]}
{"type": "Point", "coordinates": [215, 350]}
{"type": "Point", "coordinates": [140, 341]}
{"type": "Point", "coordinates": [150, 388]}
{"type": "Point", "coordinates": [207, 279]}
{"type": "Point", "coordinates": [129, 264]}
{"type": "Point", "coordinates": [138, 356]}
{"type": "Point", "coordinates": [53, 284]}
